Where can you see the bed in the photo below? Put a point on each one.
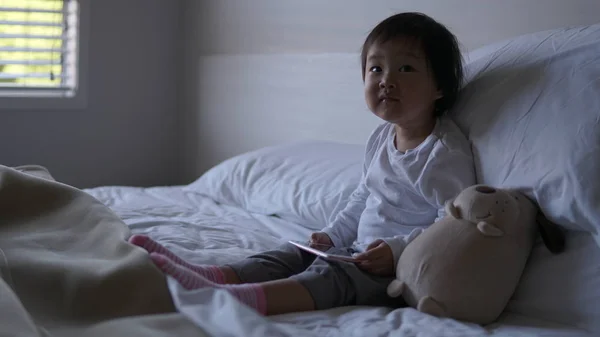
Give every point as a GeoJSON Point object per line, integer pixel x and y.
{"type": "Point", "coordinates": [203, 231]}
{"type": "Point", "coordinates": [89, 281]}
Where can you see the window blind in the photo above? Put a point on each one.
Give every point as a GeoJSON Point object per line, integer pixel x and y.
{"type": "Point", "coordinates": [38, 47]}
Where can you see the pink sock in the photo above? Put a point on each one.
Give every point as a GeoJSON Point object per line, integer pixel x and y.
{"type": "Point", "coordinates": [252, 295]}
{"type": "Point", "coordinates": [212, 273]}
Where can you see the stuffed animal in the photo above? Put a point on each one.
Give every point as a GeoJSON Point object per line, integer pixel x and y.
{"type": "Point", "coordinates": [467, 265]}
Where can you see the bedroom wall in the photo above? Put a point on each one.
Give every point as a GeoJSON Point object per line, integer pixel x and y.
{"type": "Point", "coordinates": [128, 134]}
{"type": "Point", "coordinates": [264, 72]}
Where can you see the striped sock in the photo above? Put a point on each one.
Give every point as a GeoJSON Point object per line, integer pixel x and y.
{"type": "Point", "coordinates": [252, 294]}
{"type": "Point", "coordinates": [212, 273]}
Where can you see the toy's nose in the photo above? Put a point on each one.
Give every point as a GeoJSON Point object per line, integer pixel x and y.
{"type": "Point", "coordinates": [485, 189]}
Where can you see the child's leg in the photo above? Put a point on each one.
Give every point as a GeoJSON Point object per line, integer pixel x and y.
{"type": "Point", "coordinates": [213, 273]}
{"type": "Point", "coordinates": [322, 285]}
{"type": "Point", "coordinates": [280, 263]}
{"type": "Point", "coordinates": [335, 284]}
{"type": "Point", "coordinates": [268, 298]}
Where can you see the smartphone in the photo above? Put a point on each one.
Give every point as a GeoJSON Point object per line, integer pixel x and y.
{"type": "Point", "coordinates": [333, 257]}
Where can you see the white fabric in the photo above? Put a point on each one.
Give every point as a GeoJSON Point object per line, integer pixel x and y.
{"type": "Point", "coordinates": [306, 182]}
{"type": "Point", "coordinates": [553, 287]}
{"type": "Point", "coordinates": [532, 113]}
{"type": "Point", "coordinates": [195, 226]}
{"type": "Point", "coordinates": [403, 192]}
{"type": "Point", "coordinates": [201, 231]}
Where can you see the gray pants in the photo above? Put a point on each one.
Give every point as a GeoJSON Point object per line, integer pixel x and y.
{"type": "Point", "coordinates": [330, 283]}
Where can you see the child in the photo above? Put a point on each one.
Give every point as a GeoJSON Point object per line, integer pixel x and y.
{"type": "Point", "coordinates": [415, 161]}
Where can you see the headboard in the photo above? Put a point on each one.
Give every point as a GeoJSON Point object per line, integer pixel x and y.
{"type": "Point", "coordinates": [265, 72]}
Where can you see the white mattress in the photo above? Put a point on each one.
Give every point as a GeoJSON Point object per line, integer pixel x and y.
{"type": "Point", "coordinates": [203, 231]}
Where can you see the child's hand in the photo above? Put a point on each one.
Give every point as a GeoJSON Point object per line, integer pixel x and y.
{"type": "Point", "coordinates": [320, 241]}
{"type": "Point", "coordinates": [378, 259]}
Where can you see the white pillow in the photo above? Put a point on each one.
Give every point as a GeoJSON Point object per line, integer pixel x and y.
{"type": "Point", "coordinates": [563, 288]}
{"type": "Point", "coordinates": [305, 182]}
{"type": "Point", "coordinates": [531, 108]}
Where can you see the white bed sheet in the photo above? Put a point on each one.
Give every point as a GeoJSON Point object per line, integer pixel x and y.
{"type": "Point", "coordinates": [203, 231]}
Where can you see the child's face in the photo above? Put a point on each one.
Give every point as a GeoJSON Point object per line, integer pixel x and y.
{"type": "Point", "coordinates": [399, 87]}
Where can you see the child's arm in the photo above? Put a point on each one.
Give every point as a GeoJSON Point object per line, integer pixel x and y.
{"type": "Point", "coordinates": [343, 229]}
{"type": "Point", "coordinates": [443, 178]}
{"type": "Point", "coordinates": [379, 258]}
{"type": "Point", "coordinates": [446, 177]}
{"type": "Point", "coordinates": [399, 242]}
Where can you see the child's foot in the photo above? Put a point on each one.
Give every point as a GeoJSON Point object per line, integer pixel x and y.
{"type": "Point", "coordinates": [252, 295]}
{"type": "Point", "coordinates": [212, 273]}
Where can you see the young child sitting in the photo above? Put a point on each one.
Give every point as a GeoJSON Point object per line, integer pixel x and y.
{"type": "Point", "coordinates": [414, 162]}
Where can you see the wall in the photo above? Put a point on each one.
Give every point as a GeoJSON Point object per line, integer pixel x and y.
{"type": "Point", "coordinates": [128, 134]}
{"type": "Point", "coordinates": [251, 74]}
{"type": "Point", "coordinates": [263, 72]}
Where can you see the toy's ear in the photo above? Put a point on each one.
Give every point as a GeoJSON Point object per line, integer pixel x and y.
{"type": "Point", "coordinates": [551, 233]}
{"type": "Point", "coordinates": [452, 210]}
{"type": "Point", "coordinates": [488, 229]}
{"type": "Point", "coordinates": [395, 288]}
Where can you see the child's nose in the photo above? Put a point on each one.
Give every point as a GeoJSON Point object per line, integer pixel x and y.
{"type": "Point", "coordinates": [387, 84]}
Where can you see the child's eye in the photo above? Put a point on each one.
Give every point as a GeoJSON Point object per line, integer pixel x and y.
{"type": "Point", "coordinates": [375, 69]}
{"type": "Point", "coordinates": [406, 69]}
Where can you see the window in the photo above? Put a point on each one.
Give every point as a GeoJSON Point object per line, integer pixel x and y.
{"type": "Point", "coordinates": [40, 50]}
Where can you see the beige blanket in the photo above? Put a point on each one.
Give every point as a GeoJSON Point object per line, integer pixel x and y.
{"type": "Point", "coordinates": [66, 269]}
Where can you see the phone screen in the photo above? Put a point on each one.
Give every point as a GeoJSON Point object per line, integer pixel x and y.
{"type": "Point", "coordinates": [317, 246]}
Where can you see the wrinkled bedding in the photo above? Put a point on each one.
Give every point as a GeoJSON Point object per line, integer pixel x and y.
{"type": "Point", "coordinates": [66, 269]}
{"type": "Point", "coordinates": [203, 231]}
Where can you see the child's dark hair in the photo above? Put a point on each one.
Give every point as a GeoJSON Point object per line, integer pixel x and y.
{"type": "Point", "coordinates": [437, 42]}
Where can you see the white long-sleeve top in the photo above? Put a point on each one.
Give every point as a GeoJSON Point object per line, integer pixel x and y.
{"type": "Point", "coordinates": [402, 193]}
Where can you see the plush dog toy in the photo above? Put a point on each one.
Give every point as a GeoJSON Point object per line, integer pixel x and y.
{"type": "Point", "coordinates": [467, 265]}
